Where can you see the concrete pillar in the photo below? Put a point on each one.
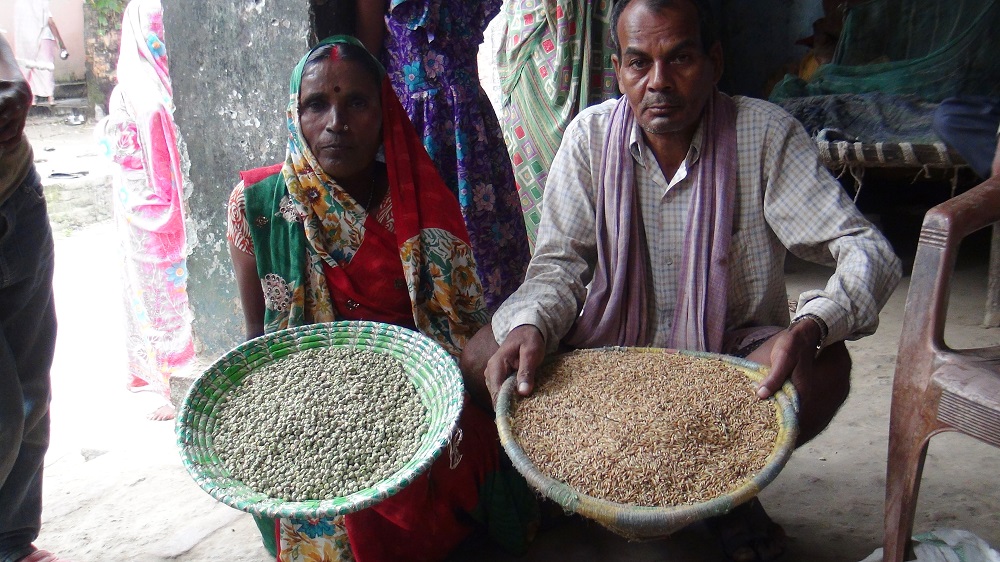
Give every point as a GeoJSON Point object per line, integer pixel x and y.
{"type": "Point", "coordinates": [229, 63]}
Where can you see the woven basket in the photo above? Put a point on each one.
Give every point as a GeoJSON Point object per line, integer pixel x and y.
{"type": "Point", "coordinates": [638, 522]}
{"type": "Point", "coordinates": [431, 369]}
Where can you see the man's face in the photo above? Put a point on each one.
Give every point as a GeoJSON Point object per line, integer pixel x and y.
{"type": "Point", "coordinates": [662, 69]}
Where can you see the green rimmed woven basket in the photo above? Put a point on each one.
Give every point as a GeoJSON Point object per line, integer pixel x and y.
{"type": "Point", "coordinates": [639, 522]}
{"type": "Point", "coordinates": [432, 370]}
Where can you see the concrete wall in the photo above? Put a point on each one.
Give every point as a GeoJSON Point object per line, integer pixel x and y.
{"type": "Point", "coordinates": [68, 15]}
{"type": "Point", "coordinates": [229, 63]}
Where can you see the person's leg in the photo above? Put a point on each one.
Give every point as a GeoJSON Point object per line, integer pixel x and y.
{"type": "Point", "coordinates": [27, 344]}
{"type": "Point", "coordinates": [969, 125]}
{"type": "Point", "coordinates": [42, 78]}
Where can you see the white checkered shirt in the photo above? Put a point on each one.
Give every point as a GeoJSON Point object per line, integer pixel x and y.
{"type": "Point", "coordinates": [785, 199]}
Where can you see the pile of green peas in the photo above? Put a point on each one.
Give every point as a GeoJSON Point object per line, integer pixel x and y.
{"type": "Point", "coordinates": [320, 423]}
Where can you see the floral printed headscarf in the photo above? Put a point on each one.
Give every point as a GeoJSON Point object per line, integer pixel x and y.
{"type": "Point", "coordinates": [437, 260]}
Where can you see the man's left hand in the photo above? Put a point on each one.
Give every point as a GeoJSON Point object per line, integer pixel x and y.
{"type": "Point", "coordinates": [794, 350]}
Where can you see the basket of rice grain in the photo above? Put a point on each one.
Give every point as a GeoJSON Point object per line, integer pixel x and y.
{"type": "Point", "coordinates": [646, 441]}
{"type": "Point", "coordinates": [320, 420]}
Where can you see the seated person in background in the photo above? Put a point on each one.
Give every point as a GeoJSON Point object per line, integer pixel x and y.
{"type": "Point", "coordinates": [337, 232]}
{"type": "Point", "coordinates": [676, 205]}
{"type": "Point", "coordinates": [970, 125]}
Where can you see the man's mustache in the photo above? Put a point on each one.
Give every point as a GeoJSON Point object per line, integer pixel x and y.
{"type": "Point", "coordinates": [661, 99]}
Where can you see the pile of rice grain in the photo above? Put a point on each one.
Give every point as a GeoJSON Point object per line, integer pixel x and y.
{"type": "Point", "coordinates": [645, 428]}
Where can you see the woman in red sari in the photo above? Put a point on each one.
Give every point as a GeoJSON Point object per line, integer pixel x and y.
{"type": "Point", "coordinates": [356, 224]}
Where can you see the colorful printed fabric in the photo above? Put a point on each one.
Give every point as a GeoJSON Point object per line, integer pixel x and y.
{"type": "Point", "coordinates": [431, 60]}
{"type": "Point", "coordinates": [319, 540]}
{"type": "Point", "coordinates": [468, 486]}
{"type": "Point", "coordinates": [554, 61]}
{"type": "Point", "coordinates": [140, 137]}
{"type": "Point", "coordinates": [301, 218]}
{"type": "Point", "coordinates": [318, 216]}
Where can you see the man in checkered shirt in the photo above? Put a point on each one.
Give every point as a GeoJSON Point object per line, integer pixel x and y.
{"type": "Point", "coordinates": [666, 220]}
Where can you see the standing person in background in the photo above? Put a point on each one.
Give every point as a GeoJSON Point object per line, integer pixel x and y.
{"type": "Point", "coordinates": [148, 199]}
{"type": "Point", "coordinates": [430, 49]}
{"type": "Point", "coordinates": [27, 325]}
{"type": "Point", "coordinates": [554, 61]}
{"type": "Point", "coordinates": [37, 40]}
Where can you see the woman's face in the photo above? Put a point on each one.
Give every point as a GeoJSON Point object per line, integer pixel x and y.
{"type": "Point", "coordinates": [340, 112]}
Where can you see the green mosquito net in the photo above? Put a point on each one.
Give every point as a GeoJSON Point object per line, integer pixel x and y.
{"type": "Point", "coordinates": [932, 49]}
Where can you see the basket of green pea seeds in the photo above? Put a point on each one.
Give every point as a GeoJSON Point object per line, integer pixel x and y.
{"type": "Point", "coordinates": [319, 420]}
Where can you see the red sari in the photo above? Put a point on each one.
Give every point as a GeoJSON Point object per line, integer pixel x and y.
{"type": "Point", "coordinates": [471, 484]}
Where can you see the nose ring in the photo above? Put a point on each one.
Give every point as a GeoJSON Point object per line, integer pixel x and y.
{"type": "Point", "coordinates": [345, 128]}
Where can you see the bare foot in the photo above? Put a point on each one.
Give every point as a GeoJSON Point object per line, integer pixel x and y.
{"type": "Point", "coordinates": [42, 556]}
{"type": "Point", "coordinates": [163, 413]}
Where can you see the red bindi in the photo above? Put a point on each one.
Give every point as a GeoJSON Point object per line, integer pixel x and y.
{"type": "Point", "coordinates": [336, 89]}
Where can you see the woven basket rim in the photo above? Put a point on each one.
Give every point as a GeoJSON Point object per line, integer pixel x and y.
{"type": "Point", "coordinates": [638, 522]}
{"type": "Point", "coordinates": [430, 360]}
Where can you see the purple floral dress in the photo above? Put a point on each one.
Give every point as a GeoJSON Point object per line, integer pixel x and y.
{"type": "Point", "coordinates": [431, 49]}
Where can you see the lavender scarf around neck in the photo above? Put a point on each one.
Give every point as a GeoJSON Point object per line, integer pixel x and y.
{"type": "Point", "coordinates": [615, 311]}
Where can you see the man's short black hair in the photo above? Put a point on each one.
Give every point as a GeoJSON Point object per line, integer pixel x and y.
{"type": "Point", "coordinates": [706, 21]}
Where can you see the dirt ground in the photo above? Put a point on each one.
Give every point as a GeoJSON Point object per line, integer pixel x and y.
{"type": "Point", "coordinates": [115, 489]}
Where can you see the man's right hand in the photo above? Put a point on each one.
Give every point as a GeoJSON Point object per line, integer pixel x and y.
{"type": "Point", "coordinates": [522, 351]}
